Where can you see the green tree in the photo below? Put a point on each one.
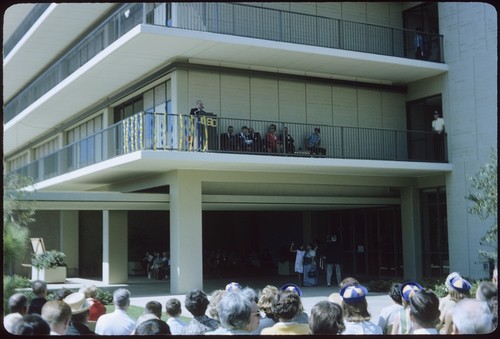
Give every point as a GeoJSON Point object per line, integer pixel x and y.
{"type": "Point", "coordinates": [18, 213]}
{"type": "Point", "coordinates": [484, 196]}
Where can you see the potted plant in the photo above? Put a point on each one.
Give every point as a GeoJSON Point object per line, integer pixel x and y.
{"type": "Point", "coordinates": [49, 266]}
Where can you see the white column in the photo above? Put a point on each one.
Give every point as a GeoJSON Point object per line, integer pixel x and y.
{"type": "Point", "coordinates": [411, 236]}
{"type": "Point", "coordinates": [68, 221]}
{"type": "Point", "coordinates": [186, 263]}
{"type": "Point", "coordinates": [115, 244]}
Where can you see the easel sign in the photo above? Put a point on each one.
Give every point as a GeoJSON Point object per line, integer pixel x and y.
{"type": "Point", "coordinates": [37, 245]}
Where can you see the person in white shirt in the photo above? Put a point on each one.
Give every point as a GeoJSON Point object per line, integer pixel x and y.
{"type": "Point", "coordinates": [18, 306]}
{"type": "Point", "coordinates": [118, 322]}
{"type": "Point", "coordinates": [173, 310]}
{"type": "Point", "coordinates": [438, 134]}
{"type": "Point", "coordinates": [386, 317]}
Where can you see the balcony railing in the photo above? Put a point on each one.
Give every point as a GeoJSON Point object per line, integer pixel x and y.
{"type": "Point", "coordinates": [231, 19]}
{"type": "Point", "coordinates": [188, 133]}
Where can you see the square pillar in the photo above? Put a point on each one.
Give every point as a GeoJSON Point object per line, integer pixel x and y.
{"type": "Point", "coordinates": [68, 221]}
{"type": "Point", "coordinates": [186, 253]}
{"type": "Point", "coordinates": [115, 247]}
{"type": "Point", "coordinates": [411, 232]}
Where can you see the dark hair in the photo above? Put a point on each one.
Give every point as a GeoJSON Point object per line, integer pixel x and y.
{"type": "Point", "coordinates": [286, 304]}
{"type": "Point", "coordinates": [62, 293]}
{"type": "Point", "coordinates": [424, 306]}
{"type": "Point", "coordinates": [326, 318]}
{"type": "Point", "coordinates": [173, 307]}
{"type": "Point", "coordinates": [31, 324]}
{"type": "Point", "coordinates": [39, 286]}
{"type": "Point", "coordinates": [153, 307]}
{"type": "Point", "coordinates": [196, 302]}
{"type": "Point", "coordinates": [152, 327]}
{"type": "Point", "coordinates": [395, 293]}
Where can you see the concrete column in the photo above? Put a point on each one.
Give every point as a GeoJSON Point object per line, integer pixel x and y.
{"type": "Point", "coordinates": [412, 242]}
{"type": "Point", "coordinates": [186, 254]}
{"type": "Point", "coordinates": [115, 247]}
{"type": "Point", "coordinates": [68, 221]}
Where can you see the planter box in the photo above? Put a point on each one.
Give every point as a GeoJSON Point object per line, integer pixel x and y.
{"type": "Point", "coordinates": [49, 275]}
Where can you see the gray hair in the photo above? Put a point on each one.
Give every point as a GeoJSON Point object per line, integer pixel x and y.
{"type": "Point", "coordinates": [234, 310]}
{"type": "Point", "coordinates": [121, 298]}
{"type": "Point", "coordinates": [472, 316]}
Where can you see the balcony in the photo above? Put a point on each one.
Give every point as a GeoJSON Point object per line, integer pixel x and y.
{"type": "Point", "coordinates": [294, 31]}
{"type": "Point", "coordinates": [161, 132]}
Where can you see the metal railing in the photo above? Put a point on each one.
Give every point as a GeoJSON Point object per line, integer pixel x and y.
{"type": "Point", "coordinates": [188, 133]}
{"type": "Point", "coordinates": [231, 19]}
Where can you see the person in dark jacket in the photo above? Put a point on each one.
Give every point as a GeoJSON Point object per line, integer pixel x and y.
{"type": "Point", "coordinates": [333, 255]}
{"type": "Point", "coordinates": [80, 310]}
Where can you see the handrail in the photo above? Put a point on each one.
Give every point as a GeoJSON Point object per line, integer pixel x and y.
{"type": "Point", "coordinates": [188, 133]}
{"type": "Point", "coordinates": [230, 19]}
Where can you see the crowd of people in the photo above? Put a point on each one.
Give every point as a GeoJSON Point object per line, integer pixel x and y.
{"type": "Point", "coordinates": [238, 310]}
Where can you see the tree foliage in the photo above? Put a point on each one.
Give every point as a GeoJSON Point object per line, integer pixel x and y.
{"type": "Point", "coordinates": [484, 196]}
{"type": "Point", "coordinates": [18, 213]}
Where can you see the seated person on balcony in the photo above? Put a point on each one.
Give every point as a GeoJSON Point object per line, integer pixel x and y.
{"type": "Point", "coordinates": [256, 140]}
{"type": "Point", "coordinates": [272, 140]}
{"type": "Point", "coordinates": [287, 140]}
{"type": "Point", "coordinates": [228, 140]}
{"type": "Point", "coordinates": [198, 109]}
{"type": "Point", "coordinates": [314, 142]}
{"type": "Point", "coordinates": [244, 140]}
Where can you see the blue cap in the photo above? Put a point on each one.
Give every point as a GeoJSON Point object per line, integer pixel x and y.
{"type": "Point", "coordinates": [292, 287]}
{"type": "Point", "coordinates": [233, 287]}
{"type": "Point", "coordinates": [352, 294]}
{"type": "Point", "coordinates": [460, 285]}
{"type": "Point", "coordinates": [408, 289]}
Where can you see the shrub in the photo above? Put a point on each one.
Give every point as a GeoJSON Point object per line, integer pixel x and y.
{"type": "Point", "coordinates": [104, 296]}
{"type": "Point", "coordinates": [48, 259]}
{"type": "Point", "coordinates": [10, 283]}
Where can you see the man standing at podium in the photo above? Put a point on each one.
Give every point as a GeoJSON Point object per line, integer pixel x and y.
{"type": "Point", "coordinates": [198, 109]}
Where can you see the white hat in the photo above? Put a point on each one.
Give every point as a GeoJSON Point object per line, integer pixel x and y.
{"type": "Point", "coordinates": [77, 302]}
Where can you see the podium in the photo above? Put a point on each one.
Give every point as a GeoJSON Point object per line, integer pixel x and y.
{"type": "Point", "coordinates": [206, 130]}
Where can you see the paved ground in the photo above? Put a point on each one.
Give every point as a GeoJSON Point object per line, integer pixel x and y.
{"type": "Point", "coordinates": [144, 290]}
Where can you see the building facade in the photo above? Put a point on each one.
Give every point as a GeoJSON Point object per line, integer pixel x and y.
{"type": "Point", "coordinates": [97, 102]}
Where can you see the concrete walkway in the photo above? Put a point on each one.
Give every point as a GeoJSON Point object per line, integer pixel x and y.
{"type": "Point", "coordinates": [143, 290]}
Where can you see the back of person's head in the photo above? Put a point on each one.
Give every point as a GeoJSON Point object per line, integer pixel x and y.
{"type": "Point", "coordinates": [153, 327]}
{"type": "Point", "coordinates": [31, 324]}
{"type": "Point", "coordinates": [39, 288]}
{"type": "Point", "coordinates": [153, 307]}
{"type": "Point", "coordinates": [90, 290]}
{"type": "Point", "coordinates": [173, 307]}
{"type": "Point", "coordinates": [56, 312]}
{"type": "Point", "coordinates": [215, 298]}
{"type": "Point", "coordinates": [486, 290]}
{"type": "Point", "coordinates": [250, 294]}
{"type": "Point", "coordinates": [348, 281]}
{"type": "Point", "coordinates": [472, 316]}
{"type": "Point", "coordinates": [234, 310]}
{"type": "Point", "coordinates": [286, 304]}
{"type": "Point", "coordinates": [121, 298]}
{"type": "Point", "coordinates": [18, 302]}
{"type": "Point", "coordinates": [266, 297]}
{"type": "Point", "coordinates": [62, 293]}
{"type": "Point", "coordinates": [424, 308]}
{"type": "Point", "coordinates": [395, 293]}
{"type": "Point", "coordinates": [196, 302]}
{"type": "Point", "coordinates": [326, 318]}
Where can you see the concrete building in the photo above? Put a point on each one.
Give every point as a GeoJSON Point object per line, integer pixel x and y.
{"type": "Point", "coordinates": [97, 100]}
